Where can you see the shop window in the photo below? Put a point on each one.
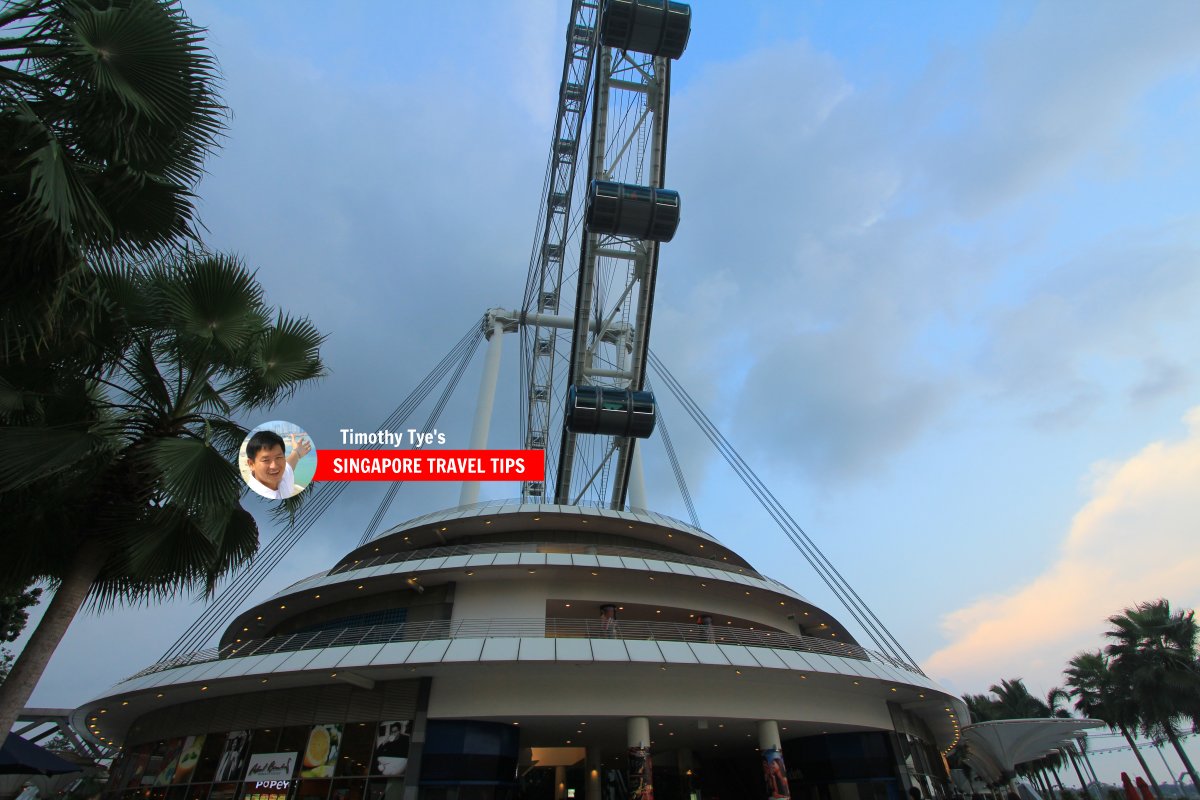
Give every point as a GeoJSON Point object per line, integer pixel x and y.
{"type": "Point", "coordinates": [264, 741]}
{"type": "Point", "coordinates": [198, 791]}
{"type": "Point", "coordinates": [347, 789]}
{"type": "Point", "coordinates": [358, 739]}
{"type": "Point", "coordinates": [385, 789]}
{"type": "Point", "coordinates": [312, 789]}
{"type": "Point", "coordinates": [210, 754]}
{"type": "Point", "coordinates": [293, 739]}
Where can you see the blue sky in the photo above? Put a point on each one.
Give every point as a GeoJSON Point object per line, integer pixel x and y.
{"type": "Point", "coordinates": [936, 279]}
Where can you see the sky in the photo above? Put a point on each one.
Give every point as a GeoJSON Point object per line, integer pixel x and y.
{"type": "Point", "coordinates": [936, 279]}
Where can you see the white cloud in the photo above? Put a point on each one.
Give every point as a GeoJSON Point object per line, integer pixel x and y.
{"type": "Point", "coordinates": [1133, 541]}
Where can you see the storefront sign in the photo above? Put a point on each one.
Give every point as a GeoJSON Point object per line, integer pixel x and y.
{"type": "Point", "coordinates": [270, 767]}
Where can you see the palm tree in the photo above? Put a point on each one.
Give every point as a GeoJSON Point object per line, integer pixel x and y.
{"type": "Point", "coordinates": [119, 486]}
{"type": "Point", "coordinates": [107, 112]}
{"type": "Point", "coordinates": [1099, 694]}
{"type": "Point", "coordinates": [1015, 702]}
{"type": "Point", "coordinates": [1153, 653]}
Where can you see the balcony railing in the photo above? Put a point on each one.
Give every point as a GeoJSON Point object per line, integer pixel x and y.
{"type": "Point", "coordinates": [535, 628]}
{"type": "Point", "coordinates": [542, 547]}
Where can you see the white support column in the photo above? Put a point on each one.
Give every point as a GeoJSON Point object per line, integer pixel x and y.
{"type": "Point", "coordinates": [637, 479]}
{"type": "Point", "coordinates": [768, 735]}
{"type": "Point", "coordinates": [640, 770]}
{"type": "Point", "coordinates": [483, 407]}
{"type": "Point", "coordinates": [774, 770]}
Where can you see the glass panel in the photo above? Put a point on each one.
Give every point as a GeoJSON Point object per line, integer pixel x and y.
{"type": "Point", "coordinates": [224, 791]}
{"type": "Point", "coordinates": [292, 740]}
{"type": "Point", "coordinates": [198, 791]}
{"type": "Point", "coordinates": [348, 789]}
{"type": "Point", "coordinates": [206, 767]}
{"type": "Point", "coordinates": [313, 790]}
{"type": "Point", "coordinates": [358, 739]}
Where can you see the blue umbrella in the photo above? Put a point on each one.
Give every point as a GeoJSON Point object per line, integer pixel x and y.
{"type": "Point", "coordinates": [19, 757]}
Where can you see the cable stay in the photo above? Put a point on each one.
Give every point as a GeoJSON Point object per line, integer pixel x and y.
{"type": "Point", "coordinates": [430, 423]}
{"type": "Point", "coordinates": [870, 623]}
{"type": "Point", "coordinates": [675, 467]}
{"type": "Point", "coordinates": [230, 598]}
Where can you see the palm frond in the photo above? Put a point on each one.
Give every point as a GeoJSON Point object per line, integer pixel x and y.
{"type": "Point", "coordinates": [194, 474]}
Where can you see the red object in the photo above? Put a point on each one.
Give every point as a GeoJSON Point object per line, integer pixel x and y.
{"type": "Point", "coordinates": [431, 465]}
{"type": "Point", "coordinates": [1144, 788]}
{"type": "Point", "coordinates": [1130, 792]}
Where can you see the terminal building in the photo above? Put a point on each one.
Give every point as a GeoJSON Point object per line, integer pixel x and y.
{"type": "Point", "coordinates": [534, 651]}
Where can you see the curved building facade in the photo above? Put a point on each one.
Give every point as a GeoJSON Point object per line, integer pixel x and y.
{"type": "Point", "coordinates": [535, 651]}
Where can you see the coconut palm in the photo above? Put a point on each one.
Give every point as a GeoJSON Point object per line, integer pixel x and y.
{"type": "Point", "coordinates": [1014, 701]}
{"type": "Point", "coordinates": [107, 111]}
{"type": "Point", "coordinates": [1153, 653]}
{"type": "Point", "coordinates": [1099, 694]}
{"type": "Point", "coordinates": [120, 486]}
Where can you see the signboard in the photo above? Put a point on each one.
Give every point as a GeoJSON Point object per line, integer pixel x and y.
{"type": "Point", "coordinates": [266, 767]}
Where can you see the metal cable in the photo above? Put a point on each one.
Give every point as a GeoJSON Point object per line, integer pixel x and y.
{"type": "Point", "coordinates": [841, 588]}
{"type": "Point", "coordinates": [256, 570]}
{"type": "Point", "coordinates": [430, 422]}
{"type": "Point", "coordinates": [676, 467]}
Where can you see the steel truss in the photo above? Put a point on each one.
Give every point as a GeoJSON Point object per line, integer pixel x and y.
{"type": "Point", "coordinates": [613, 277]}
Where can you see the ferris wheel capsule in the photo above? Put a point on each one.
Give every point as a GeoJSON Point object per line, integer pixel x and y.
{"type": "Point", "coordinates": [623, 209]}
{"type": "Point", "coordinates": [610, 412]}
{"type": "Point", "coordinates": [654, 27]}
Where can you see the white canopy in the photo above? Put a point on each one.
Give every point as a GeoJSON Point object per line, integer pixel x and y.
{"type": "Point", "coordinates": [995, 748]}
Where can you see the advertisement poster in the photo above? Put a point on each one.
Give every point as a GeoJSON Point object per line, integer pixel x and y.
{"type": "Point", "coordinates": [321, 753]}
{"type": "Point", "coordinates": [391, 749]}
{"type": "Point", "coordinates": [271, 767]}
{"type": "Point", "coordinates": [232, 764]}
{"type": "Point", "coordinates": [641, 774]}
{"type": "Point", "coordinates": [170, 759]}
{"type": "Point", "coordinates": [189, 757]}
{"type": "Point", "coordinates": [775, 774]}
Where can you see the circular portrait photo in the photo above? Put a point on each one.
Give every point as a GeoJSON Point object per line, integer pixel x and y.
{"type": "Point", "coordinates": [278, 460]}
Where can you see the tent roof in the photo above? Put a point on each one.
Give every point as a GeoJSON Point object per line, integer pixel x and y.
{"type": "Point", "coordinates": [994, 748]}
{"type": "Point", "coordinates": [20, 757]}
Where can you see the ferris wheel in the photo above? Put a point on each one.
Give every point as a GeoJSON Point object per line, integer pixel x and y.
{"type": "Point", "coordinates": [586, 315]}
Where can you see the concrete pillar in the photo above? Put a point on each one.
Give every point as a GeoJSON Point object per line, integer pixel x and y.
{"type": "Point", "coordinates": [641, 771]}
{"type": "Point", "coordinates": [774, 770]}
{"type": "Point", "coordinates": [560, 783]}
{"type": "Point", "coordinates": [483, 408]}
{"type": "Point", "coordinates": [594, 762]}
{"type": "Point", "coordinates": [637, 479]}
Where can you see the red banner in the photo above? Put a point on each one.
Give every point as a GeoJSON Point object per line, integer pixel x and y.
{"type": "Point", "coordinates": [431, 465]}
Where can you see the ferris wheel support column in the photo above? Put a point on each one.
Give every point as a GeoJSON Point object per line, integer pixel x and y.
{"type": "Point", "coordinates": [483, 406]}
{"type": "Point", "coordinates": [637, 480]}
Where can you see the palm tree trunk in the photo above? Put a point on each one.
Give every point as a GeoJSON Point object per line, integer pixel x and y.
{"type": "Point", "coordinates": [31, 663]}
{"type": "Point", "coordinates": [1187, 762]}
{"type": "Point", "coordinates": [1061, 789]}
{"type": "Point", "coordinates": [1083, 784]}
{"type": "Point", "coordinates": [1145, 767]}
{"type": "Point", "coordinates": [1087, 761]}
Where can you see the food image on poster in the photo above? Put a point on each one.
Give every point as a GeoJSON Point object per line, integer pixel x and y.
{"type": "Point", "coordinates": [321, 752]}
{"type": "Point", "coordinates": [391, 749]}
{"type": "Point", "coordinates": [170, 759]}
{"type": "Point", "coordinates": [189, 757]}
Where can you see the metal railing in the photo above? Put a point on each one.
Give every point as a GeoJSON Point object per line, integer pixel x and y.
{"type": "Point", "coordinates": [566, 548]}
{"type": "Point", "coordinates": [601, 505]}
{"type": "Point", "coordinates": [534, 628]}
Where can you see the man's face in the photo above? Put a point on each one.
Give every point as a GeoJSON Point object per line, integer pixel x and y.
{"type": "Point", "coordinates": [267, 466]}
